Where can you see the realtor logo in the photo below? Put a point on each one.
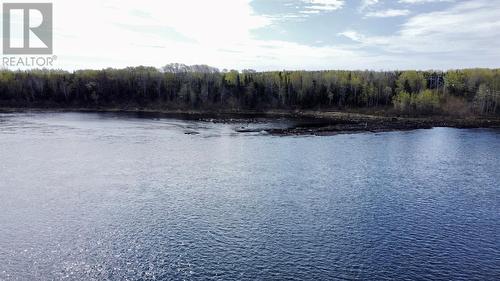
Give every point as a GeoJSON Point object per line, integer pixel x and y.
{"type": "Point", "coordinates": [27, 28]}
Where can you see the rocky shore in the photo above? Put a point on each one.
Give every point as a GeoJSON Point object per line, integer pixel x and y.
{"type": "Point", "coordinates": [319, 123]}
{"type": "Point", "coordinates": [331, 123]}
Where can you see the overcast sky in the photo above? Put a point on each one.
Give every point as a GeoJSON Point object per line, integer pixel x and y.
{"type": "Point", "coordinates": [278, 34]}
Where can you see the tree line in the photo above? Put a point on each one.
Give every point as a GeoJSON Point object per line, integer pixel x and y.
{"type": "Point", "coordinates": [177, 86]}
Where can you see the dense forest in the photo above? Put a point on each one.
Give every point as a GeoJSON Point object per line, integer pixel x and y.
{"type": "Point", "coordinates": [200, 87]}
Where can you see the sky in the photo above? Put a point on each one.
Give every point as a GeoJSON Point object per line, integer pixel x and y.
{"type": "Point", "coordinates": [277, 34]}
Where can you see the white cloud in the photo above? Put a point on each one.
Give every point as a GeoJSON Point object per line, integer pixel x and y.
{"type": "Point", "coordinates": [468, 32]}
{"type": "Point", "coordinates": [353, 35]}
{"type": "Point", "coordinates": [310, 12]}
{"type": "Point", "coordinates": [317, 6]}
{"type": "Point", "coordinates": [304, 9]}
{"type": "Point", "coordinates": [387, 13]}
{"type": "Point", "coordinates": [111, 33]}
{"type": "Point", "coordinates": [325, 5]}
{"type": "Point", "coordinates": [367, 4]}
{"type": "Point", "coordinates": [120, 33]}
{"type": "Point", "coordinates": [423, 1]}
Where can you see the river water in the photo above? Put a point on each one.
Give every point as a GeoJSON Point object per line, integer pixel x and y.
{"type": "Point", "coordinates": [88, 196]}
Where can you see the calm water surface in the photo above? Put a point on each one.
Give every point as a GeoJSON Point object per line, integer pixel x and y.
{"type": "Point", "coordinates": [104, 196]}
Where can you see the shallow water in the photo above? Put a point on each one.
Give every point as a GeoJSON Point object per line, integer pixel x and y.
{"type": "Point", "coordinates": [107, 196]}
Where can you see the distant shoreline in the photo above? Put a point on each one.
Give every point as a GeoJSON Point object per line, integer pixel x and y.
{"type": "Point", "coordinates": [309, 122]}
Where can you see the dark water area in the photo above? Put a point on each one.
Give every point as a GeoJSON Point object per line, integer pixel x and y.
{"type": "Point", "coordinates": [89, 196]}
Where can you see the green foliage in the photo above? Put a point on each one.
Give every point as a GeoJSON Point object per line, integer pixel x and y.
{"type": "Point", "coordinates": [455, 82]}
{"type": "Point", "coordinates": [179, 86]}
{"type": "Point", "coordinates": [232, 78]}
{"type": "Point", "coordinates": [402, 102]}
{"type": "Point", "coordinates": [426, 102]}
{"type": "Point", "coordinates": [486, 100]}
{"type": "Point", "coordinates": [411, 82]}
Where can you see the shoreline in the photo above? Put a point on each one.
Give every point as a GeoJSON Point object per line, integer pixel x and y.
{"type": "Point", "coordinates": [308, 122]}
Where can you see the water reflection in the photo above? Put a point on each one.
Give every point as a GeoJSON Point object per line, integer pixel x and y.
{"type": "Point", "coordinates": [93, 196]}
